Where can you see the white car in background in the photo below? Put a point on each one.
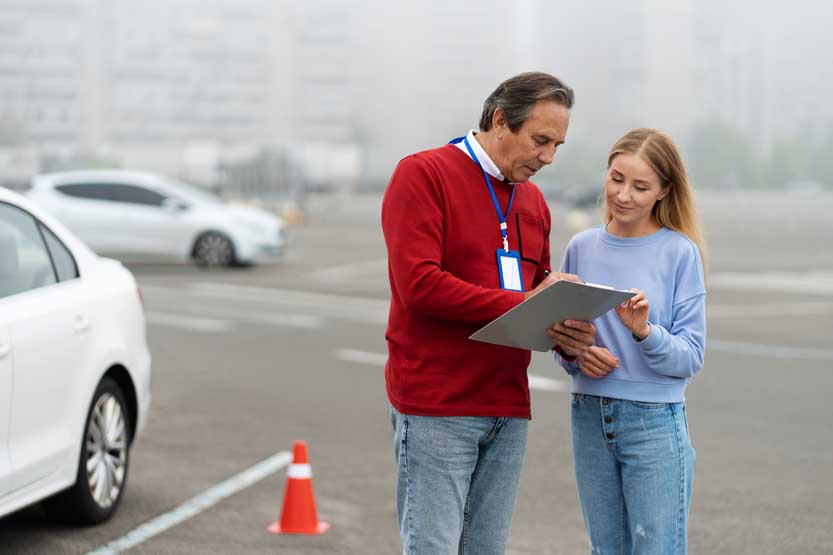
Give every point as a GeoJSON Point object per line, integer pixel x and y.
{"type": "Point", "coordinates": [75, 369]}
{"type": "Point", "coordinates": [124, 212]}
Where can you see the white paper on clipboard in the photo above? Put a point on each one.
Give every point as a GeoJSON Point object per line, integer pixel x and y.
{"type": "Point", "coordinates": [525, 326]}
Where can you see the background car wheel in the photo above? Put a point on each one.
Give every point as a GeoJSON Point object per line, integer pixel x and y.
{"type": "Point", "coordinates": [214, 249]}
{"type": "Point", "coordinates": [103, 464]}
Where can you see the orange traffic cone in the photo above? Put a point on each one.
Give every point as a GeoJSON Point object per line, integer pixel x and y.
{"type": "Point", "coordinates": [298, 515]}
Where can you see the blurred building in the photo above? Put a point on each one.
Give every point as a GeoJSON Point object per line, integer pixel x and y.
{"type": "Point", "coordinates": [321, 106]}
{"type": "Point", "coordinates": [335, 92]}
{"type": "Point", "coordinates": [425, 72]}
{"type": "Point", "coordinates": [172, 86]}
{"type": "Point", "coordinates": [42, 72]}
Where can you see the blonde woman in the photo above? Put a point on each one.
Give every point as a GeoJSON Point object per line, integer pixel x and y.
{"type": "Point", "coordinates": [633, 457]}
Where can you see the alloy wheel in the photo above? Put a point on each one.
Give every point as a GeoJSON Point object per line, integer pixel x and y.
{"type": "Point", "coordinates": [106, 451]}
{"type": "Point", "coordinates": [214, 249]}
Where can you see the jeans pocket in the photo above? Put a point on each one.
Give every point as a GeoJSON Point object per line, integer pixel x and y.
{"type": "Point", "coordinates": [648, 406]}
{"type": "Point", "coordinates": [574, 400]}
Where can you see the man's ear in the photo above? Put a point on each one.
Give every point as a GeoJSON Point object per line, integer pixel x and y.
{"type": "Point", "coordinates": [499, 120]}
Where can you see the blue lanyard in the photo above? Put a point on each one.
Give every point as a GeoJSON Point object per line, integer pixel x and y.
{"type": "Point", "coordinates": [501, 216]}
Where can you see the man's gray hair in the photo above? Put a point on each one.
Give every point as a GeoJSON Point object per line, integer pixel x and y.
{"type": "Point", "coordinates": [517, 95]}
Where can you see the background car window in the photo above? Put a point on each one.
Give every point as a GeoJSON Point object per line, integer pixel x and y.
{"type": "Point", "coordinates": [24, 259]}
{"type": "Point", "coordinates": [116, 192]}
{"type": "Point", "coordinates": [91, 191]}
{"type": "Point", "coordinates": [136, 195]}
{"type": "Point", "coordinates": [64, 262]}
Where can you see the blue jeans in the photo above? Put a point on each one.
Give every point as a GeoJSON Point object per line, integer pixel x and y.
{"type": "Point", "coordinates": [634, 467]}
{"type": "Point", "coordinates": [457, 477]}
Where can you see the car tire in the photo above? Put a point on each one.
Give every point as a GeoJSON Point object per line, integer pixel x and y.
{"type": "Point", "coordinates": [214, 249]}
{"type": "Point", "coordinates": [103, 463]}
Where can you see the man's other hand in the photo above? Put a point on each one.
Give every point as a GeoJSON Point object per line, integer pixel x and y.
{"type": "Point", "coordinates": [574, 337]}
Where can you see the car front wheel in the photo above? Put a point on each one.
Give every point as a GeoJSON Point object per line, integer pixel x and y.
{"type": "Point", "coordinates": [103, 464]}
{"type": "Point", "coordinates": [214, 249]}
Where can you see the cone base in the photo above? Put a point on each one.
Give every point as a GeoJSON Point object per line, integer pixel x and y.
{"type": "Point", "coordinates": [275, 528]}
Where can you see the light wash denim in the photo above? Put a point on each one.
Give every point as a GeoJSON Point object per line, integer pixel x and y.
{"type": "Point", "coordinates": [634, 468]}
{"type": "Point", "coordinates": [457, 478]}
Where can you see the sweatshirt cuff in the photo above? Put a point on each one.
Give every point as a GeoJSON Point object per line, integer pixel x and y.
{"type": "Point", "coordinates": [568, 365]}
{"type": "Point", "coordinates": [653, 340]}
{"type": "Point", "coordinates": [563, 355]}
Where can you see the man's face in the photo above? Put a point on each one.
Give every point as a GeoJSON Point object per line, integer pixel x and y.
{"type": "Point", "coordinates": [520, 155]}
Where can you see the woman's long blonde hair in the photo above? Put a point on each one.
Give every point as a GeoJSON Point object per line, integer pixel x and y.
{"type": "Point", "coordinates": [676, 210]}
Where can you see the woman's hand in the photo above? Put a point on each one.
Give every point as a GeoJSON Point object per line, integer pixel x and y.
{"type": "Point", "coordinates": [597, 362]}
{"type": "Point", "coordinates": [634, 314]}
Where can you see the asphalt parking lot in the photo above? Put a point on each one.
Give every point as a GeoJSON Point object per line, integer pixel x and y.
{"type": "Point", "coordinates": [248, 360]}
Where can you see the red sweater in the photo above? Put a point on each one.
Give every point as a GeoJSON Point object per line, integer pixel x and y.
{"type": "Point", "coordinates": [442, 232]}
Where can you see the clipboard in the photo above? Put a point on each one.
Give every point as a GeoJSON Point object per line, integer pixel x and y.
{"type": "Point", "coordinates": [525, 326]}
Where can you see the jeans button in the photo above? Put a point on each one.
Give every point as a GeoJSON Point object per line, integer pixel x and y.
{"type": "Point", "coordinates": [604, 402]}
{"type": "Point", "coordinates": [609, 436]}
{"type": "Point", "coordinates": [608, 420]}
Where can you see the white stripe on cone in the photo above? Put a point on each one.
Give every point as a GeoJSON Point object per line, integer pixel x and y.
{"type": "Point", "coordinates": [300, 471]}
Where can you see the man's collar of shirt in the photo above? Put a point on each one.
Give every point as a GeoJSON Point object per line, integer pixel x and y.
{"type": "Point", "coordinates": [485, 161]}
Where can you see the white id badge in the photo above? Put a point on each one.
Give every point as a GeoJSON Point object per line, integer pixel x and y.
{"type": "Point", "coordinates": [509, 268]}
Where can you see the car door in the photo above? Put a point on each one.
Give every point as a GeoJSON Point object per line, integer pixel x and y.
{"type": "Point", "coordinates": [89, 210]}
{"type": "Point", "coordinates": [5, 405]}
{"type": "Point", "coordinates": [157, 221]}
{"type": "Point", "coordinates": [48, 332]}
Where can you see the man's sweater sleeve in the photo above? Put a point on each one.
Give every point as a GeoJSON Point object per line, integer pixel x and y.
{"type": "Point", "coordinates": [413, 224]}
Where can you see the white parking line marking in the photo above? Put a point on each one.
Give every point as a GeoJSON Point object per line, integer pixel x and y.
{"type": "Point", "coordinates": [187, 322]}
{"type": "Point", "coordinates": [378, 359]}
{"type": "Point", "coordinates": [817, 283]}
{"type": "Point", "coordinates": [776, 309]}
{"type": "Point", "coordinates": [270, 317]}
{"type": "Point", "coordinates": [197, 504]}
{"type": "Point", "coordinates": [774, 351]}
{"type": "Point", "coordinates": [354, 309]}
{"type": "Point", "coordinates": [547, 384]}
{"type": "Point", "coordinates": [350, 272]}
{"type": "Point", "coordinates": [361, 357]}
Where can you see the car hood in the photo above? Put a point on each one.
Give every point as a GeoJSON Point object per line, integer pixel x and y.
{"type": "Point", "coordinates": [239, 214]}
{"type": "Point", "coordinates": [254, 215]}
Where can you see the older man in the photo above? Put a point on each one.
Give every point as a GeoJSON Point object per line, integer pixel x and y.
{"type": "Point", "coordinates": [467, 235]}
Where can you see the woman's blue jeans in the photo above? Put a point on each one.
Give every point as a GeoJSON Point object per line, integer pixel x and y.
{"type": "Point", "coordinates": [634, 468]}
{"type": "Point", "coordinates": [457, 478]}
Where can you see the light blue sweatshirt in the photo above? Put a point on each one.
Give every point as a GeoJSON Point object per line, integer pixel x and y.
{"type": "Point", "coordinates": [667, 266]}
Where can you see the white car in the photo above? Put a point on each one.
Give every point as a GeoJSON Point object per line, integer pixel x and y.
{"type": "Point", "coordinates": [125, 212]}
{"type": "Point", "coordinates": [75, 369]}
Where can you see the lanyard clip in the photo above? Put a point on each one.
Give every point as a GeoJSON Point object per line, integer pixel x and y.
{"type": "Point", "coordinates": [505, 244]}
